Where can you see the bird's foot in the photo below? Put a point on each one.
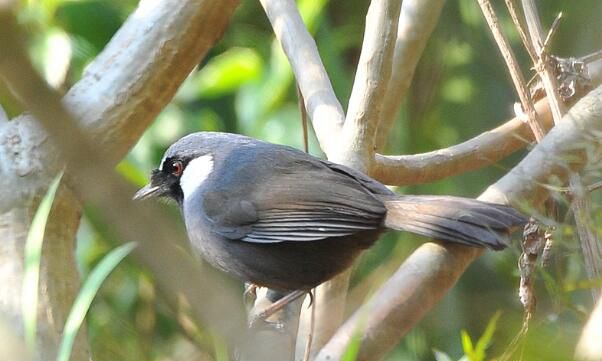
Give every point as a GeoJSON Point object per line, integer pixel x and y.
{"type": "Point", "coordinates": [279, 304]}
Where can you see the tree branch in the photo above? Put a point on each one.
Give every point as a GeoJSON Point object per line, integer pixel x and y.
{"type": "Point", "coordinates": [356, 148]}
{"type": "Point", "coordinates": [93, 179]}
{"type": "Point", "coordinates": [370, 85]}
{"type": "Point", "coordinates": [482, 150]}
{"type": "Point", "coordinates": [517, 76]}
{"type": "Point", "coordinates": [416, 23]}
{"type": "Point", "coordinates": [430, 271]}
{"type": "Point", "coordinates": [118, 96]}
{"type": "Point", "coordinates": [581, 203]}
{"type": "Point", "coordinates": [120, 93]}
{"type": "Point", "coordinates": [321, 103]}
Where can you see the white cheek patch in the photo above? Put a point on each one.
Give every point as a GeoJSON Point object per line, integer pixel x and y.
{"type": "Point", "coordinates": [195, 173]}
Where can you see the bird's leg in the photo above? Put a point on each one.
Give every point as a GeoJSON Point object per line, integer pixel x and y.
{"type": "Point", "coordinates": [275, 307]}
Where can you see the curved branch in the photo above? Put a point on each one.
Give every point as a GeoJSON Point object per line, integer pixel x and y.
{"type": "Point", "coordinates": [482, 150]}
{"type": "Point", "coordinates": [416, 23]}
{"type": "Point", "coordinates": [430, 271]}
{"type": "Point", "coordinates": [120, 93]}
{"type": "Point", "coordinates": [300, 48]}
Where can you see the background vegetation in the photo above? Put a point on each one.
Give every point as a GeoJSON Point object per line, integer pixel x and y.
{"type": "Point", "coordinates": [245, 85]}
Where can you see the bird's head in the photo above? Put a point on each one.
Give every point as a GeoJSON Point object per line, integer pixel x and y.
{"type": "Point", "coordinates": [185, 166]}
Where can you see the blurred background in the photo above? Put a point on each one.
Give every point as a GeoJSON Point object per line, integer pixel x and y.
{"type": "Point", "coordinates": [245, 85]}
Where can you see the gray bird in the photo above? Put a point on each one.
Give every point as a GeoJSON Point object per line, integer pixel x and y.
{"type": "Point", "coordinates": [277, 217]}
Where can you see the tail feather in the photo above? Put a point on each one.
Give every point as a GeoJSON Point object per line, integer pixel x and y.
{"type": "Point", "coordinates": [454, 219]}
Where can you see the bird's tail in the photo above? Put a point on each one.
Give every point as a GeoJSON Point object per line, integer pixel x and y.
{"type": "Point", "coordinates": [454, 219]}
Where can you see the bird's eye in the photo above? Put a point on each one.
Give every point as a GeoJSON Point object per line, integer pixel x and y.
{"type": "Point", "coordinates": [177, 168]}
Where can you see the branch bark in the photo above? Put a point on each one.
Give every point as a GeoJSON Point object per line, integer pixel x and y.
{"type": "Point", "coordinates": [370, 85]}
{"type": "Point", "coordinates": [430, 271]}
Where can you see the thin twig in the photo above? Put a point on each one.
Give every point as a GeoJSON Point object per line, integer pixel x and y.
{"type": "Point", "coordinates": [590, 58]}
{"type": "Point", "coordinates": [515, 73]}
{"type": "Point", "coordinates": [542, 66]}
{"type": "Point", "coordinates": [551, 33]}
{"type": "Point", "coordinates": [594, 187]}
{"type": "Point", "coordinates": [521, 30]}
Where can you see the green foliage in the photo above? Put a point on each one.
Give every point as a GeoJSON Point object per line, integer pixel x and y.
{"type": "Point", "coordinates": [473, 352]}
{"type": "Point", "coordinates": [86, 295]}
{"type": "Point", "coordinates": [33, 254]}
{"type": "Point", "coordinates": [353, 348]}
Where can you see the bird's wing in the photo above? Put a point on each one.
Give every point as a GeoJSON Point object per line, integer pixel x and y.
{"type": "Point", "coordinates": [298, 200]}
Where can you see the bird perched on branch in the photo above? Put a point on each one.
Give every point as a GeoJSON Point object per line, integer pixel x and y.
{"type": "Point", "coordinates": [280, 218]}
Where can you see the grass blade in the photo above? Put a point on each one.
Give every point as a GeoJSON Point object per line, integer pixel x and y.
{"type": "Point", "coordinates": [33, 254]}
{"type": "Point", "coordinates": [86, 295]}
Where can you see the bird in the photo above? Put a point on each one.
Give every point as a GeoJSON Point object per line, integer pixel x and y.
{"type": "Point", "coordinates": [277, 217]}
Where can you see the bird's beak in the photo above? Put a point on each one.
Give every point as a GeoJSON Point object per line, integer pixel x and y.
{"type": "Point", "coordinates": [148, 191]}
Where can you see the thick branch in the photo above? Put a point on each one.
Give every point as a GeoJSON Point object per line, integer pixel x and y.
{"type": "Point", "coordinates": [430, 271]}
{"type": "Point", "coordinates": [321, 103]}
{"type": "Point", "coordinates": [370, 85]}
{"type": "Point", "coordinates": [121, 92]}
{"type": "Point", "coordinates": [93, 179]}
{"type": "Point", "coordinates": [417, 21]}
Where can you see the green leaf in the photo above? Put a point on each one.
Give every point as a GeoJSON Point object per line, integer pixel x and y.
{"type": "Point", "coordinates": [227, 72]}
{"type": "Point", "coordinates": [86, 295]}
{"type": "Point", "coordinates": [485, 339]}
{"type": "Point", "coordinates": [467, 345]}
{"type": "Point", "coordinates": [33, 254]}
{"type": "Point", "coordinates": [353, 348]}
{"type": "Point", "coordinates": [95, 21]}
